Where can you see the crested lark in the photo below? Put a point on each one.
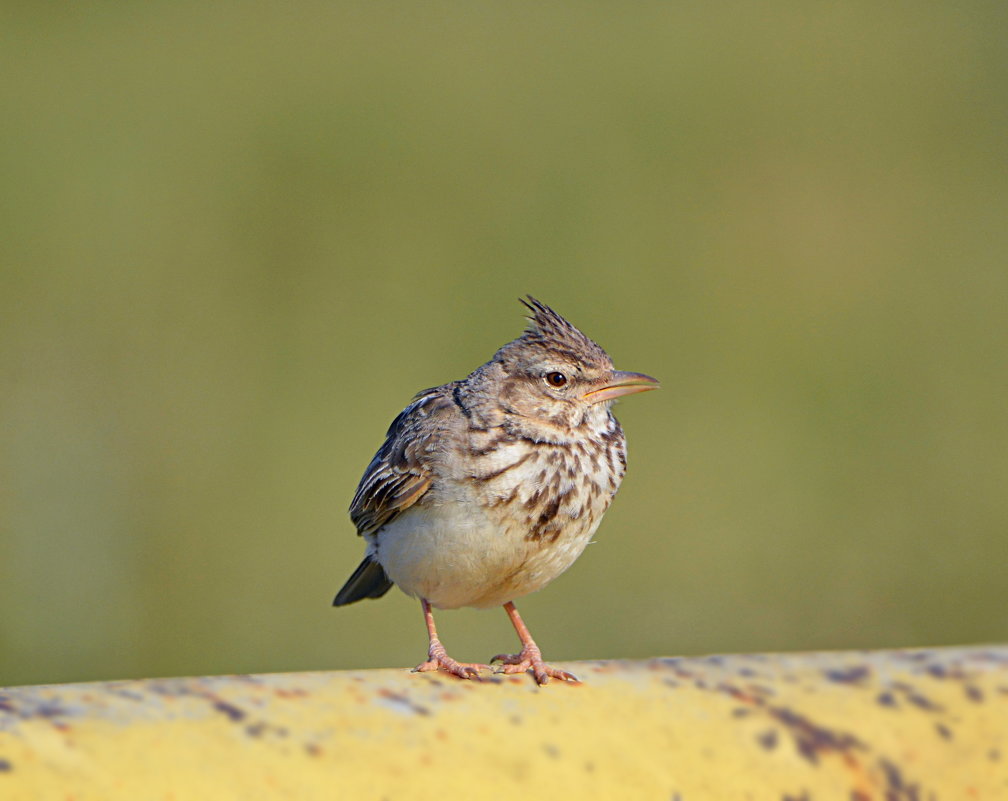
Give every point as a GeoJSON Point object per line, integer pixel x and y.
{"type": "Point", "coordinates": [488, 488]}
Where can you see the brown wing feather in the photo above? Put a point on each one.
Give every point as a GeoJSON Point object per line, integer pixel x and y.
{"type": "Point", "coordinates": [399, 474]}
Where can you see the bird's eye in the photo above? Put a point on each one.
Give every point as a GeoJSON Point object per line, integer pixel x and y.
{"type": "Point", "coordinates": [556, 379]}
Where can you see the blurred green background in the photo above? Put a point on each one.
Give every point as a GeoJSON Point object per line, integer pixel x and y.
{"type": "Point", "coordinates": [236, 238]}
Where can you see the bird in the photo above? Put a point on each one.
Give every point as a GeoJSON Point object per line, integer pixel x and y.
{"type": "Point", "coordinates": [488, 488]}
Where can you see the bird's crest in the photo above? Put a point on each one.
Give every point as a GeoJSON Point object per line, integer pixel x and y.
{"type": "Point", "coordinates": [550, 330]}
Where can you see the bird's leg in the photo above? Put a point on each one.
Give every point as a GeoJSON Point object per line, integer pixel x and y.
{"type": "Point", "coordinates": [530, 657]}
{"type": "Point", "coordinates": [437, 657]}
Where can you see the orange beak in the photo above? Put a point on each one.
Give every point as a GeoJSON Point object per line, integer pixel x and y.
{"type": "Point", "coordinates": [623, 383]}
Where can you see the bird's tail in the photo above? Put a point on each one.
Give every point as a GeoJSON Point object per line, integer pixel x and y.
{"type": "Point", "coordinates": [369, 580]}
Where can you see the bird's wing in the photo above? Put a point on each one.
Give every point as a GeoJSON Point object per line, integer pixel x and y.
{"type": "Point", "coordinates": [400, 473]}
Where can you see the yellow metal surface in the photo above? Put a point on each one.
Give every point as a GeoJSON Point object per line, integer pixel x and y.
{"type": "Point", "coordinates": [891, 726]}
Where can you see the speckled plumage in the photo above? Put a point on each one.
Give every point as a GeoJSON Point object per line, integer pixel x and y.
{"type": "Point", "coordinates": [486, 489]}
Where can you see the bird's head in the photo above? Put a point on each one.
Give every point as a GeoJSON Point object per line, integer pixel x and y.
{"type": "Point", "coordinates": [555, 376]}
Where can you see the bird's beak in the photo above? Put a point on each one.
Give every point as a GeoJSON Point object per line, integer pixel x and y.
{"type": "Point", "coordinates": [623, 383]}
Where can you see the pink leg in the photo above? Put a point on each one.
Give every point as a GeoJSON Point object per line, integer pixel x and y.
{"type": "Point", "coordinates": [530, 657]}
{"type": "Point", "coordinates": [437, 657]}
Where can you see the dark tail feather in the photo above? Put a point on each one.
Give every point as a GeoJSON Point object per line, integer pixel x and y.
{"type": "Point", "coordinates": [368, 581]}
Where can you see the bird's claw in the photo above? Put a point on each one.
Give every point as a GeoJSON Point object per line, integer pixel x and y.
{"type": "Point", "coordinates": [531, 659]}
{"type": "Point", "coordinates": [438, 659]}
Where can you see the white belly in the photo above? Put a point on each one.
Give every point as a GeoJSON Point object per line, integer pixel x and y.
{"type": "Point", "coordinates": [455, 555]}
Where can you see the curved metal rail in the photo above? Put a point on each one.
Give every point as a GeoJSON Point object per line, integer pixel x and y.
{"type": "Point", "coordinates": [893, 726]}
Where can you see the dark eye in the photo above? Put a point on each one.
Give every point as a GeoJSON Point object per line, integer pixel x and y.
{"type": "Point", "coordinates": [556, 379]}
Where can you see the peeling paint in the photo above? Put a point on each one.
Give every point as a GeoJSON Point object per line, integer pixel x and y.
{"type": "Point", "coordinates": [851, 675]}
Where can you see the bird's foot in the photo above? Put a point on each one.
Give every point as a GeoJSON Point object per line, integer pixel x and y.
{"type": "Point", "coordinates": [438, 659]}
{"type": "Point", "coordinates": [530, 658]}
